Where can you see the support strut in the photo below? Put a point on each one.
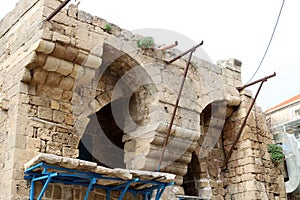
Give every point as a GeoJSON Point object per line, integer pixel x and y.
{"type": "Point", "coordinates": [246, 117]}
{"type": "Point", "coordinates": [254, 82]}
{"type": "Point", "coordinates": [186, 52]}
{"type": "Point", "coordinates": [164, 48]}
{"type": "Point", "coordinates": [61, 6]}
{"type": "Point", "coordinates": [191, 51]}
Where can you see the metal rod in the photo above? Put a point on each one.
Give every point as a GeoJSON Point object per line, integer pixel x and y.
{"type": "Point", "coordinates": [61, 6]}
{"type": "Point", "coordinates": [32, 189]}
{"type": "Point", "coordinates": [186, 52]}
{"type": "Point", "coordinates": [45, 187]}
{"type": "Point", "coordinates": [90, 187]}
{"type": "Point", "coordinates": [50, 123]}
{"type": "Point", "coordinates": [254, 82]}
{"type": "Point", "coordinates": [242, 126]}
{"type": "Point", "coordinates": [164, 48]}
{"type": "Point", "coordinates": [175, 108]}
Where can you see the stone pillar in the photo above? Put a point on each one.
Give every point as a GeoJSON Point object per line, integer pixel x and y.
{"type": "Point", "coordinates": [250, 173]}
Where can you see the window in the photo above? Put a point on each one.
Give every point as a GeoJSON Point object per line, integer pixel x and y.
{"type": "Point", "coordinates": [297, 113]}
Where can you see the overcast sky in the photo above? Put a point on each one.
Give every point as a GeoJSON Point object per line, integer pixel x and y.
{"type": "Point", "coordinates": [230, 29]}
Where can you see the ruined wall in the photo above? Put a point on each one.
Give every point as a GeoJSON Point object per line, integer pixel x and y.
{"type": "Point", "coordinates": [60, 75]}
{"type": "Point", "coordinates": [18, 31]}
{"type": "Point", "coordinates": [250, 173]}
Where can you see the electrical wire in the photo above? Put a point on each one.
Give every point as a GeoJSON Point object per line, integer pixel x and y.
{"type": "Point", "coordinates": [266, 51]}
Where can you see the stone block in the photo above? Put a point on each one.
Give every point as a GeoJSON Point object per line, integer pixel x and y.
{"type": "Point", "coordinates": [66, 83]}
{"type": "Point", "coordinates": [47, 34]}
{"type": "Point", "coordinates": [55, 105]}
{"type": "Point", "coordinates": [84, 44]}
{"type": "Point", "coordinates": [95, 105]}
{"type": "Point", "coordinates": [93, 61]}
{"type": "Point", "coordinates": [71, 54]}
{"type": "Point", "coordinates": [65, 68]}
{"type": "Point", "coordinates": [98, 50]}
{"type": "Point", "coordinates": [81, 57]}
{"type": "Point", "coordinates": [59, 137]}
{"type": "Point", "coordinates": [33, 143]}
{"type": "Point", "coordinates": [53, 79]}
{"type": "Point", "coordinates": [85, 17]}
{"type": "Point", "coordinates": [67, 107]}
{"type": "Point", "coordinates": [87, 77]}
{"type": "Point", "coordinates": [58, 116]}
{"type": "Point", "coordinates": [69, 119]}
{"type": "Point", "coordinates": [86, 165]}
{"type": "Point", "coordinates": [26, 77]}
{"type": "Point", "coordinates": [45, 113]}
{"type": "Point", "coordinates": [54, 148]}
{"type": "Point", "coordinates": [67, 161]}
{"type": "Point", "coordinates": [39, 76]}
{"type": "Point", "coordinates": [103, 99]}
{"type": "Point", "coordinates": [45, 47]}
{"type": "Point", "coordinates": [4, 104]}
{"type": "Point", "coordinates": [61, 38]}
{"type": "Point", "coordinates": [52, 64]}
{"type": "Point", "coordinates": [246, 161]}
{"type": "Point", "coordinates": [38, 101]}
{"type": "Point", "coordinates": [70, 152]}
{"type": "Point", "coordinates": [99, 22]}
{"type": "Point", "coordinates": [56, 93]}
{"type": "Point", "coordinates": [67, 96]}
{"type": "Point", "coordinates": [73, 11]}
{"type": "Point", "coordinates": [59, 51]}
{"type": "Point", "coordinates": [75, 71]}
{"type": "Point", "coordinates": [82, 33]}
{"type": "Point", "coordinates": [52, 4]}
{"type": "Point", "coordinates": [251, 195]}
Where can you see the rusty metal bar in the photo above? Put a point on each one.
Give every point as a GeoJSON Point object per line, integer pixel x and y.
{"type": "Point", "coordinates": [246, 117]}
{"type": "Point", "coordinates": [254, 82]}
{"type": "Point", "coordinates": [61, 6]}
{"type": "Point", "coordinates": [186, 52]}
{"type": "Point", "coordinates": [242, 127]}
{"type": "Point", "coordinates": [164, 48]}
{"type": "Point", "coordinates": [175, 108]}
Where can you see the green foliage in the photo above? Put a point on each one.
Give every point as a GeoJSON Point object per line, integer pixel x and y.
{"type": "Point", "coordinates": [107, 28]}
{"type": "Point", "coordinates": [145, 43]}
{"type": "Point", "coordinates": [277, 155]}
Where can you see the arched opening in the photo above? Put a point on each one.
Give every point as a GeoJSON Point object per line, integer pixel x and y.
{"type": "Point", "coordinates": [102, 140]}
{"type": "Point", "coordinates": [204, 171]}
{"type": "Point", "coordinates": [124, 109]}
{"type": "Point", "coordinates": [190, 179]}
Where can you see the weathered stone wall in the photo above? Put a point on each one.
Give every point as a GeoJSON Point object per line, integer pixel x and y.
{"type": "Point", "coordinates": [250, 172]}
{"type": "Point", "coordinates": [18, 31]}
{"type": "Point", "coordinates": [57, 75]}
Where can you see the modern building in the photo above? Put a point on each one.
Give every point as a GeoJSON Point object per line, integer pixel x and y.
{"type": "Point", "coordinates": [284, 122]}
{"type": "Point", "coordinates": [285, 116]}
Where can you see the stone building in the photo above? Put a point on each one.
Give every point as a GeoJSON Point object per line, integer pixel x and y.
{"type": "Point", "coordinates": [72, 89]}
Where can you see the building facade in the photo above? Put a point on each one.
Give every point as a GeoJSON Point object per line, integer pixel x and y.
{"type": "Point", "coordinates": [286, 116]}
{"type": "Point", "coordinates": [76, 95]}
{"type": "Point", "coordinates": [284, 121]}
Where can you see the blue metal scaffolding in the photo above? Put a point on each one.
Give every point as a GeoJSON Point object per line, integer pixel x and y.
{"type": "Point", "coordinates": [54, 174]}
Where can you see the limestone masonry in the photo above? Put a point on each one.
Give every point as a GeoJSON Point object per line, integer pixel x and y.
{"type": "Point", "coordinates": [63, 81]}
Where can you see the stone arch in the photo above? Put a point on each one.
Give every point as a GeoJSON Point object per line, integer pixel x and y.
{"type": "Point", "coordinates": [204, 170]}
{"type": "Point", "coordinates": [119, 81]}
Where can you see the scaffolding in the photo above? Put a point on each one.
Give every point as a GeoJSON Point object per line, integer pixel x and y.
{"type": "Point", "coordinates": [55, 174]}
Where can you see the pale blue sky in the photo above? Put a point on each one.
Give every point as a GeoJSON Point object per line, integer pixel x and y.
{"type": "Point", "coordinates": [231, 28]}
